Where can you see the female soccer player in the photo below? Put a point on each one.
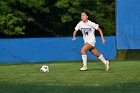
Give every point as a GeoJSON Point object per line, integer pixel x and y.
{"type": "Point", "coordinates": [88, 28]}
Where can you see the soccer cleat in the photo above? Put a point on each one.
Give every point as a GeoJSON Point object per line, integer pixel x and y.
{"type": "Point", "coordinates": [107, 66]}
{"type": "Point", "coordinates": [84, 68]}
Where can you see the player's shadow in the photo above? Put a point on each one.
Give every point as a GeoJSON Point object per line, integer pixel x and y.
{"type": "Point", "coordinates": [94, 69]}
{"type": "Point", "coordinates": [98, 69]}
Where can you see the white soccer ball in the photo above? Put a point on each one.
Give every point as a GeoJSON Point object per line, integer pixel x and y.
{"type": "Point", "coordinates": [44, 68]}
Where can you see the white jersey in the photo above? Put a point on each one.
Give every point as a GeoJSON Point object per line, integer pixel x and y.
{"type": "Point", "coordinates": [87, 30]}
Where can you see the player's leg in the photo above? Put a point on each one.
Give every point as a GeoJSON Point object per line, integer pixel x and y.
{"type": "Point", "coordinates": [84, 49]}
{"type": "Point", "coordinates": [101, 57]}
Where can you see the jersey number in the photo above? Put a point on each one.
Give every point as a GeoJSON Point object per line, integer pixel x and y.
{"type": "Point", "coordinates": [86, 33]}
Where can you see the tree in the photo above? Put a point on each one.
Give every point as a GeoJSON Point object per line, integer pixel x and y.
{"type": "Point", "coordinates": [14, 14]}
{"type": "Point", "coordinates": [53, 17]}
{"type": "Point", "coordinates": [101, 11]}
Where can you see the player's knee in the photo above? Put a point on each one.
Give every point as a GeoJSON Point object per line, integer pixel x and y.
{"type": "Point", "coordinates": [83, 52]}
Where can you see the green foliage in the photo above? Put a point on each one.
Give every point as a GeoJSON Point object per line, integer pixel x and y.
{"type": "Point", "coordinates": [66, 18]}
{"type": "Point", "coordinates": [13, 18]}
{"type": "Point", "coordinates": [11, 24]}
{"type": "Point", "coordinates": [71, 8]}
{"type": "Point", "coordinates": [58, 15]}
{"type": "Point", "coordinates": [101, 11]}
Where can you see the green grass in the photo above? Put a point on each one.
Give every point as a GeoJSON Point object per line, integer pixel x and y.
{"type": "Point", "coordinates": [64, 77]}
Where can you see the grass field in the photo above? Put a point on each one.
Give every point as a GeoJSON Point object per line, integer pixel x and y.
{"type": "Point", "coordinates": [64, 77]}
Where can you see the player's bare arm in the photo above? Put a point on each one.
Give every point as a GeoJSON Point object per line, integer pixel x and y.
{"type": "Point", "coordinates": [101, 34]}
{"type": "Point", "coordinates": [74, 34]}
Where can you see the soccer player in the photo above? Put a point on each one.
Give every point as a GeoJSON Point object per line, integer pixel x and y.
{"type": "Point", "coordinates": [88, 28]}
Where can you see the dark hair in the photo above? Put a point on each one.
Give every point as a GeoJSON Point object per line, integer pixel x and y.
{"type": "Point", "coordinates": [85, 12]}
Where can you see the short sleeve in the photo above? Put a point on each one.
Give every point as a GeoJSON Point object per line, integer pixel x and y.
{"type": "Point", "coordinates": [77, 27]}
{"type": "Point", "coordinates": [96, 26]}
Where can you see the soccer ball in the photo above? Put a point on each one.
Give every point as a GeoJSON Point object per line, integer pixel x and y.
{"type": "Point", "coordinates": [44, 68]}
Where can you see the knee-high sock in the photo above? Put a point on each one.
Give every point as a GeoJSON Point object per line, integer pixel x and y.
{"type": "Point", "coordinates": [101, 57]}
{"type": "Point", "coordinates": [84, 58]}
